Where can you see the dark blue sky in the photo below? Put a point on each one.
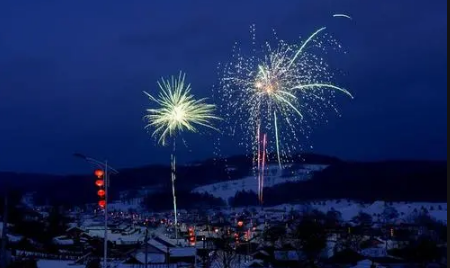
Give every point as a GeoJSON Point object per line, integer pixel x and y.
{"type": "Point", "coordinates": [72, 74]}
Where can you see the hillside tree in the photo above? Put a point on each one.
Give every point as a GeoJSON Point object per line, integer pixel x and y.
{"type": "Point", "coordinates": [390, 213]}
{"type": "Point", "coordinates": [310, 239]}
{"type": "Point", "coordinates": [94, 263]}
{"type": "Point", "coordinates": [351, 240]}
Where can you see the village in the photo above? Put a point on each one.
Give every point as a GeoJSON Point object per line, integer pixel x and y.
{"type": "Point", "coordinates": [284, 236]}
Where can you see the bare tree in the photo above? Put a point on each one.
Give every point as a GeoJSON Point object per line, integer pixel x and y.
{"type": "Point", "coordinates": [390, 213]}
{"type": "Point", "coordinates": [310, 239]}
{"type": "Point", "coordinates": [333, 218]}
{"type": "Point", "coordinates": [93, 263]}
{"type": "Point", "coordinates": [26, 263]}
{"type": "Point", "coordinates": [225, 254]}
{"type": "Point", "coordinates": [351, 240]}
{"type": "Point", "coordinates": [363, 219]}
{"type": "Point", "coordinates": [275, 233]}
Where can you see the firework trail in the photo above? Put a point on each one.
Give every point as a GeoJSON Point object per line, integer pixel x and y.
{"type": "Point", "coordinates": [177, 111]}
{"type": "Point", "coordinates": [280, 90]}
{"type": "Point", "coordinates": [262, 168]}
{"type": "Point", "coordinates": [342, 16]}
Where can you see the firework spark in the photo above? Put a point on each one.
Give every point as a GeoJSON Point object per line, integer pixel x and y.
{"type": "Point", "coordinates": [282, 91]}
{"type": "Point", "coordinates": [178, 111]}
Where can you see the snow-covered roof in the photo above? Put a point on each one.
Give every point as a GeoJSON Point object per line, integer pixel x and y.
{"type": "Point", "coordinates": [11, 237]}
{"type": "Point", "coordinates": [183, 252]}
{"type": "Point", "coordinates": [263, 252]}
{"type": "Point", "coordinates": [57, 264]}
{"type": "Point", "coordinates": [374, 252]}
{"type": "Point", "coordinates": [290, 255]}
{"type": "Point", "coordinates": [63, 240]}
{"type": "Point", "coordinates": [151, 257]}
{"type": "Point", "coordinates": [256, 263]}
{"type": "Point", "coordinates": [157, 245]}
{"type": "Point", "coordinates": [365, 264]}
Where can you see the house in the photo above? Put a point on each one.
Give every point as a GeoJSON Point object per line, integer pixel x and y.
{"type": "Point", "coordinates": [152, 254]}
{"type": "Point", "coordinates": [374, 252]}
{"type": "Point", "coordinates": [74, 232]}
{"type": "Point", "coordinates": [373, 243]}
{"type": "Point", "coordinates": [261, 255]}
{"type": "Point", "coordinates": [344, 258]}
{"type": "Point", "coordinates": [11, 237]}
{"type": "Point", "coordinates": [31, 215]}
{"type": "Point", "coordinates": [185, 255]}
{"type": "Point", "coordinates": [159, 252]}
{"type": "Point", "coordinates": [286, 258]}
{"type": "Point", "coordinates": [256, 263]}
{"type": "Point", "coordinates": [63, 241]}
{"type": "Point", "coordinates": [367, 264]}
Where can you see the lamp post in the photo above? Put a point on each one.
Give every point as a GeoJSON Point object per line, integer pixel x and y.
{"type": "Point", "coordinates": [3, 254]}
{"type": "Point", "coordinates": [107, 169]}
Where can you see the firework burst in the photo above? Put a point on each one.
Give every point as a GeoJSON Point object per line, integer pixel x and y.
{"type": "Point", "coordinates": [178, 111]}
{"type": "Point", "coordinates": [275, 95]}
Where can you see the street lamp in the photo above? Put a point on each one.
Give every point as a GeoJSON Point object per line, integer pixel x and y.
{"type": "Point", "coordinates": [3, 255]}
{"type": "Point", "coordinates": [107, 169]}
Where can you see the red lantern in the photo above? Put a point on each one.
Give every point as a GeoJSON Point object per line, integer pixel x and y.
{"type": "Point", "coordinates": [240, 223]}
{"type": "Point", "coordinates": [101, 193]}
{"type": "Point", "coordinates": [102, 203]}
{"type": "Point", "coordinates": [99, 173]}
{"type": "Point", "coordinates": [100, 183]}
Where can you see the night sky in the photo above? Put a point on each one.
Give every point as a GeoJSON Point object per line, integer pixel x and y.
{"type": "Point", "coordinates": [72, 75]}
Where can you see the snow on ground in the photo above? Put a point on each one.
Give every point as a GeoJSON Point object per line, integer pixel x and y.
{"type": "Point", "coordinates": [228, 189]}
{"type": "Point", "coordinates": [62, 240]}
{"type": "Point", "coordinates": [120, 206]}
{"type": "Point", "coordinates": [120, 238]}
{"type": "Point", "coordinates": [69, 264]}
{"type": "Point", "coordinates": [349, 209]}
{"type": "Point", "coordinates": [366, 264]}
{"type": "Point", "coordinates": [57, 264]}
{"type": "Point", "coordinates": [439, 215]}
{"type": "Point", "coordinates": [11, 237]}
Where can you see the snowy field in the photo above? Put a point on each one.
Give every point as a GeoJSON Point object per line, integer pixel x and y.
{"type": "Point", "coordinates": [349, 209]}
{"type": "Point", "coordinates": [227, 189]}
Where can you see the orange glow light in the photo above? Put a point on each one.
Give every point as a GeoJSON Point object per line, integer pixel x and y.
{"type": "Point", "coordinates": [99, 183]}
{"type": "Point", "coordinates": [101, 193]}
{"type": "Point", "coordinates": [102, 203]}
{"type": "Point", "coordinates": [99, 173]}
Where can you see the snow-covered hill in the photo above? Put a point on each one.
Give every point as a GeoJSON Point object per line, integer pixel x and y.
{"type": "Point", "coordinates": [228, 189]}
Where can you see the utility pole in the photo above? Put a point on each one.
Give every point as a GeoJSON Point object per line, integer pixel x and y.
{"type": "Point", "coordinates": [107, 171]}
{"type": "Point", "coordinates": [204, 252]}
{"type": "Point", "coordinates": [146, 246]}
{"type": "Point", "coordinates": [168, 257]}
{"type": "Point", "coordinates": [4, 234]}
{"type": "Point", "coordinates": [105, 246]}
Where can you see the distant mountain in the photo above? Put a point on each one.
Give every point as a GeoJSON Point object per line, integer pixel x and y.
{"type": "Point", "coordinates": [390, 180]}
{"type": "Point", "coordinates": [340, 179]}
